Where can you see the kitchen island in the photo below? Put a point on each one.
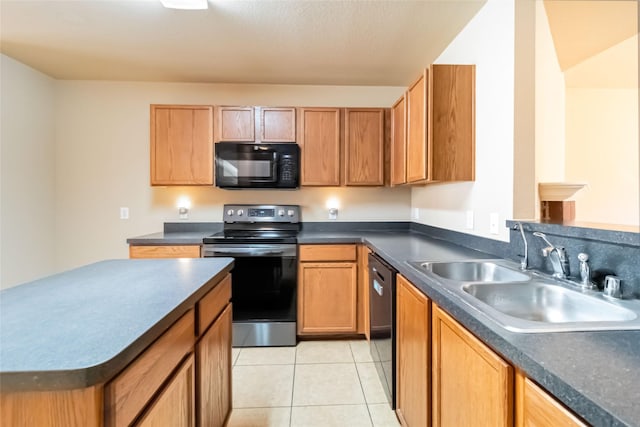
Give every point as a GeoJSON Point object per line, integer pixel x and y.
{"type": "Point", "coordinates": [110, 343]}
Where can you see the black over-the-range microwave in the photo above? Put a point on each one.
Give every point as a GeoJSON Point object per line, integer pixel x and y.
{"type": "Point", "coordinates": [257, 165]}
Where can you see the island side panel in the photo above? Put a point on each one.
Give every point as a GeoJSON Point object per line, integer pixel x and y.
{"type": "Point", "coordinates": [83, 407]}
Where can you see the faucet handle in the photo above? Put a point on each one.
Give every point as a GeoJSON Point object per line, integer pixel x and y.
{"type": "Point", "coordinates": [585, 272]}
{"type": "Point", "coordinates": [612, 287]}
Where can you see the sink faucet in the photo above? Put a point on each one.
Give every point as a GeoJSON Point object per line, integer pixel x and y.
{"type": "Point", "coordinates": [524, 263]}
{"type": "Point", "coordinates": [557, 256]}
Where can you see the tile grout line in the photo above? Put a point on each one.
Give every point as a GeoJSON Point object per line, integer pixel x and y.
{"type": "Point", "coordinates": [293, 386]}
{"type": "Point", "coordinates": [364, 396]}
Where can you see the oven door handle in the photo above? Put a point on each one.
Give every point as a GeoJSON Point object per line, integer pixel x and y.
{"type": "Point", "coordinates": [236, 252]}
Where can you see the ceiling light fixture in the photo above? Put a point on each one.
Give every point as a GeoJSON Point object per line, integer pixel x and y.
{"type": "Point", "coordinates": [185, 4]}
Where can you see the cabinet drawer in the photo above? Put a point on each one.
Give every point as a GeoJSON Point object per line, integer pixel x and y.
{"type": "Point", "coordinates": [129, 392]}
{"type": "Point", "coordinates": [327, 252]}
{"type": "Point", "coordinates": [180, 251]}
{"type": "Point", "coordinates": [212, 304]}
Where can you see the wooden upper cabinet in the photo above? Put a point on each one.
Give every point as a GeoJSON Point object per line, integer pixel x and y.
{"type": "Point", "coordinates": [472, 385]}
{"type": "Point", "coordinates": [364, 146]}
{"type": "Point", "coordinates": [235, 124]}
{"type": "Point", "coordinates": [417, 130]}
{"type": "Point", "coordinates": [181, 145]}
{"type": "Point", "coordinates": [399, 142]}
{"type": "Point", "coordinates": [453, 122]}
{"type": "Point", "coordinates": [319, 140]}
{"type": "Point", "coordinates": [277, 124]}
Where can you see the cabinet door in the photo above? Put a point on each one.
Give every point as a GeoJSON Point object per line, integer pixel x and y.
{"type": "Point", "coordinates": [399, 142]}
{"type": "Point", "coordinates": [413, 354]}
{"type": "Point", "coordinates": [364, 146]}
{"type": "Point", "coordinates": [453, 122]}
{"type": "Point", "coordinates": [181, 145]}
{"type": "Point", "coordinates": [417, 130]}
{"type": "Point", "coordinates": [213, 355]}
{"type": "Point", "coordinates": [327, 297]}
{"type": "Point", "coordinates": [363, 290]}
{"type": "Point", "coordinates": [175, 406]}
{"type": "Point", "coordinates": [126, 395]}
{"type": "Point", "coordinates": [173, 251]}
{"type": "Point", "coordinates": [472, 385]}
{"type": "Point", "coordinates": [536, 408]}
{"type": "Point", "coordinates": [319, 139]}
{"type": "Point", "coordinates": [235, 124]}
{"type": "Point", "coordinates": [277, 124]}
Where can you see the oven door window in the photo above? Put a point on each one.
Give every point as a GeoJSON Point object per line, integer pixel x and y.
{"type": "Point", "coordinates": [264, 288]}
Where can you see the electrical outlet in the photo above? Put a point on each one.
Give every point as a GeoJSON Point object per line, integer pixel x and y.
{"type": "Point", "coordinates": [469, 223]}
{"type": "Point", "coordinates": [494, 219]}
{"type": "Point", "coordinates": [124, 213]}
{"type": "Point", "coordinates": [415, 213]}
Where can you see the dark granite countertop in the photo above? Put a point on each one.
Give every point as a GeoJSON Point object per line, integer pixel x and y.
{"type": "Point", "coordinates": [593, 373]}
{"type": "Point", "coordinates": [81, 327]}
{"type": "Point", "coordinates": [170, 238]}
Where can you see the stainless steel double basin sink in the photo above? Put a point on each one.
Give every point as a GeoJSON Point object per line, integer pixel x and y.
{"type": "Point", "coordinates": [527, 301]}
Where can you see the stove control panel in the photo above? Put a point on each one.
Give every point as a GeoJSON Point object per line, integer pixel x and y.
{"type": "Point", "coordinates": [261, 213]}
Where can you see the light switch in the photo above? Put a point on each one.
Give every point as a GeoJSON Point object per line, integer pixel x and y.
{"type": "Point", "coordinates": [469, 223]}
{"type": "Point", "coordinates": [494, 219]}
{"type": "Point", "coordinates": [124, 213]}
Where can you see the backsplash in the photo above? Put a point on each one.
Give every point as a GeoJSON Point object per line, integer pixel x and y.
{"type": "Point", "coordinates": [610, 252]}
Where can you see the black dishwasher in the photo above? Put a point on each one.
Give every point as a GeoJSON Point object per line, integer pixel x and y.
{"type": "Point", "coordinates": [382, 323]}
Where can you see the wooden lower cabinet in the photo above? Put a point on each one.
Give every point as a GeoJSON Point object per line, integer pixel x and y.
{"type": "Point", "coordinates": [472, 385]}
{"type": "Point", "coordinates": [164, 251]}
{"type": "Point", "coordinates": [213, 353]}
{"type": "Point", "coordinates": [329, 293]}
{"type": "Point", "coordinates": [536, 408]}
{"type": "Point", "coordinates": [175, 406]}
{"type": "Point", "coordinates": [413, 340]}
{"type": "Point", "coordinates": [363, 290]}
{"type": "Point", "coordinates": [328, 297]}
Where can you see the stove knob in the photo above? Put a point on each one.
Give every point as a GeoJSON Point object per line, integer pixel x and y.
{"type": "Point", "coordinates": [281, 212]}
{"type": "Point", "coordinates": [230, 212]}
{"type": "Point", "coordinates": [290, 212]}
{"type": "Point", "coordinates": [240, 212]}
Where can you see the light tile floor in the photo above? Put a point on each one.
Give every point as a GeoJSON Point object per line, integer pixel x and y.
{"type": "Point", "coordinates": [316, 383]}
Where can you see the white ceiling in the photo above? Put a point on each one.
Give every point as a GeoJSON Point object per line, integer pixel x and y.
{"type": "Point", "coordinates": [338, 42]}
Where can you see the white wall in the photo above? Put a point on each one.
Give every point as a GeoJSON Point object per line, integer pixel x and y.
{"type": "Point", "coordinates": [602, 146]}
{"type": "Point", "coordinates": [550, 106]}
{"type": "Point", "coordinates": [488, 42]}
{"type": "Point", "coordinates": [103, 163]}
{"type": "Point", "coordinates": [27, 174]}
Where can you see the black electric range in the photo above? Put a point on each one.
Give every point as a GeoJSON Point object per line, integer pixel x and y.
{"type": "Point", "coordinates": [263, 241]}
